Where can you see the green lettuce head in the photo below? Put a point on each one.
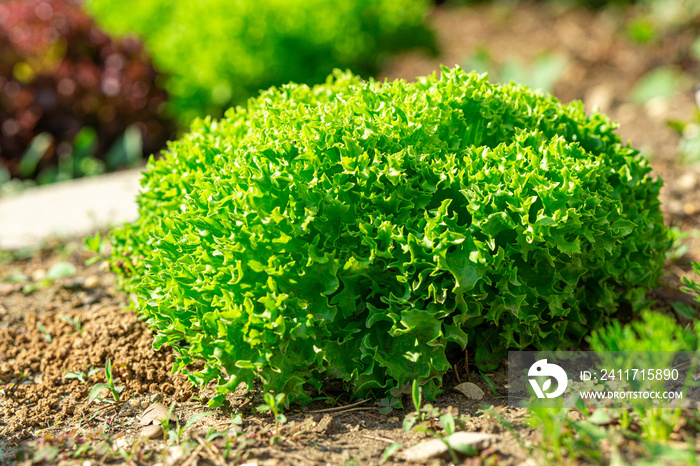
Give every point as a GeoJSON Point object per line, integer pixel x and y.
{"type": "Point", "coordinates": [361, 231]}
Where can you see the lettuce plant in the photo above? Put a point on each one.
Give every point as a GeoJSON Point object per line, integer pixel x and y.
{"type": "Point", "coordinates": [361, 231]}
{"type": "Point", "coordinates": [220, 52]}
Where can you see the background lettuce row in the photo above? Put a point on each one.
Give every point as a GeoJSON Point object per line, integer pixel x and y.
{"type": "Point", "coordinates": [361, 231]}
{"type": "Point", "coordinates": [220, 52]}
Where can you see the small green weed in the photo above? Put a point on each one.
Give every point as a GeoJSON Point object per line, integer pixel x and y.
{"type": "Point", "coordinates": [75, 323]}
{"type": "Point", "coordinates": [423, 420]}
{"type": "Point", "coordinates": [166, 423]}
{"type": "Point", "coordinates": [680, 244]}
{"type": "Point", "coordinates": [175, 435]}
{"type": "Point", "coordinates": [564, 440]}
{"type": "Point", "coordinates": [490, 383]}
{"type": "Point", "coordinates": [274, 404]}
{"type": "Point", "coordinates": [114, 390]}
{"type": "Point", "coordinates": [272, 41]}
{"type": "Point", "coordinates": [47, 335]}
{"type": "Point", "coordinates": [62, 269]}
{"type": "Point", "coordinates": [82, 377]}
{"type": "Point", "coordinates": [689, 132]}
{"type": "Point", "coordinates": [390, 451]}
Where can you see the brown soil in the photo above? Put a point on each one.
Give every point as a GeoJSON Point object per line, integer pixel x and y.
{"type": "Point", "coordinates": [39, 346]}
{"type": "Point", "coordinates": [47, 415]}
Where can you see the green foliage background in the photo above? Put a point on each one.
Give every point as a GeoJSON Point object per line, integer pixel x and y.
{"type": "Point", "coordinates": [361, 231]}
{"type": "Point", "coordinates": [220, 52]}
{"type": "Point", "coordinates": [652, 332]}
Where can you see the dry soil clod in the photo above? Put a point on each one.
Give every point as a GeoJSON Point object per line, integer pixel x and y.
{"type": "Point", "coordinates": [155, 413]}
{"type": "Point", "coordinates": [152, 432]}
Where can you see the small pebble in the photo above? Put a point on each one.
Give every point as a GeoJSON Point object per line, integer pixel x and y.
{"type": "Point", "coordinates": [73, 284]}
{"type": "Point", "coordinates": [91, 282]}
{"type": "Point", "coordinates": [658, 108]}
{"type": "Point", "coordinates": [89, 299]}
{"type": "Point", "coordinates": [175, 454]}
{"type": "Point", "coordinates": [38, 275]}
{"type": "Point", "coordinates": [433, 448]}
{"type": "Point", "coordinates": [153, 431]}
{"type": "Point", "coordinates": [121, 442]}
{"type": "Point", "coordinates": [674, 206]}
{"type": "Point", "coordinates": [690, 209]}
{"type": "Point", "coordinates": [128, 410]}
{"type": "Point", "coordinates": [687, 181]}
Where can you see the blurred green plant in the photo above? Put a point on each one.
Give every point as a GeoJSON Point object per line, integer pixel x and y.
{"type": "Point", "coordinates": [60, 270]}
{"type": "Point", "coordinates": [660, 83]}
{"type": "Point", "coordinates": [680, 246]}
{"type": "Point", "coordinates": [541, 74]}
{"type": "Point", "coordinates": [661, 335]}
{"type": "Point", "coordinates": [80, 159]}
{"type": "Point", "coordinates": [574, 435]}
{"type": "Point", "coordinates": [568, 438]}
{"type": "Point", "coordinates": [671, 14]}
{"type": "Point", "coordinates": [692, 285]}
{"type": "Point", "coordinates": [77, 324]}
{"type": "Point", "coordinates": [695, 49]}
{"type": "Point", "coordinates": [563, 440]}
{"type": "Point", "coordinates": [175, 434]}
{"type": "Point", "coordinates": [653, 331]}
{"type": "Point", "coordinates": [218, 53]}
{"type": "Point", "coordinates": [642, 30]}
{"type": "Point", "coordinates": [689, 143]}
{"type": "Point", "coordinates": [390, 451]}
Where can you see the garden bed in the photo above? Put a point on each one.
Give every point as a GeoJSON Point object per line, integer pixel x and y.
{"type": "Point", "coordinates": [76, 322]}
{"type": "Point", "coordinates": [41, 347]}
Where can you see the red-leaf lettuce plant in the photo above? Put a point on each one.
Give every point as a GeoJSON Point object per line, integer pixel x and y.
{"type": "Point", "coordinates": [73, 101]}
{"type": "Point", "coordinates": [361, 230]}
